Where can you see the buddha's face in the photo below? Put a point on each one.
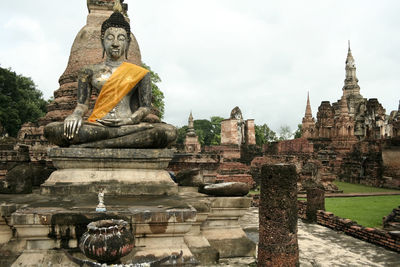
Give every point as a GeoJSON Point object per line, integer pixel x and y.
{"type": "Point", "coordinates": [115, 42]}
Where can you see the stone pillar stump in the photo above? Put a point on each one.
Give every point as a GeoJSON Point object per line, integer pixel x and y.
{"type": "Point", "coordinates": [315, 202]}
{"type": "Point", "coordinates": [278, 216]}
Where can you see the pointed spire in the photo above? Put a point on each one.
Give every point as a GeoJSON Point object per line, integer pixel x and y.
{"type": "Point", "coordinates": [350, 59]}
{"type": "Point", "coordinates": [190, 121]}
{"type": "Point", "coordinates": [351, 86]}
{"type": "Point", "coordinates": [190, 129]}
{"type": "Point", "coordinates": [308, 107]}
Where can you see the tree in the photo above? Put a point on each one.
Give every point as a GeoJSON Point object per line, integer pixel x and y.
{"type": "Point", "coordinates": [297, 133]}
{"type": "Point", "coordinates": [216, 130]}
{"type": "Point", "coordinates": [285, 133]}
{"type": "Point", "coordinates": [181, 134]}
{"type": "Point", "coordinates": [264, 134]}
{"type": "Point", "coordinates": [157, 94]}
{"type": "Point", "coordinates": [203, 129]}
{"type": "Point", "coordinates": [20, 101]}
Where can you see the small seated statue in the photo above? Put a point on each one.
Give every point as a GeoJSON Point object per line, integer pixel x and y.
{"type": "Point", "coordinates": [122, 116]}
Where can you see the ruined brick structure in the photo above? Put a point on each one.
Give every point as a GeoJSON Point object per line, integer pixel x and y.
{"type": "Point", "coordinates": [222, 163]}
{"type": "Point", "coordinates": [312, 158]}
{"type": "Point", "coordinates": [352, 115]}
{"type": "Point", "coordinates": [357, 131]}
{"type": "Point", "coordinates": [19, 169]}
{"type": "Point", "coordinates": [392, 221]}
{"type": "Point", "coordinates": [394, 122]}
{"type": "Point", "coordinates": [236, 131]}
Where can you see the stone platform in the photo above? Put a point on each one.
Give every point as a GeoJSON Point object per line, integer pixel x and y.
{"type": "Point", "coordinates": [128, 172]}
{"type": "Point", "coordinates": [34, 228]}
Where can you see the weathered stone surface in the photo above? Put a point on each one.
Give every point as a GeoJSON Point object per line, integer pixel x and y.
{"type": "Point", "coordinates": [391, 165]}
{"type": "Point", "coordinates": [67, 158]}
{"type": "Point", "coordinates": [278, 217]}
{"type": "Point", "coordinates": [315, 201]}
{"type": "Point", "coordinates": [222, 229]}
{"type": "Point", "coordinates": [190, 177]}
{"type": "Point", "coordinates": [114, 181]}
{"type": "Point", "coordinates": [391, 222]}
{"type": "Point", "coordinates": [18, 180]}
{"type": "Point", "coordinates": [225, 189]}
{"type": "Point", "coordinates": [118, 171]}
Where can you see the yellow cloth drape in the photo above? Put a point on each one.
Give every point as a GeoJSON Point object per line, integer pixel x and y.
{"type": "Point", "coordinates": [121, 82]}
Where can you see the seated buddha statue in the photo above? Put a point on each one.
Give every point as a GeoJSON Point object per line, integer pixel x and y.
{"type": "Point", "coordinates": [122, 116]}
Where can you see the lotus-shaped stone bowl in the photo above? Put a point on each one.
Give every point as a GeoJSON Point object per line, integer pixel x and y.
{"type": "Point", "coordinates": [107, 241]}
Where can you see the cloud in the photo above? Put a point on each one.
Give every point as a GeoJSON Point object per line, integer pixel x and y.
{"type": "Point", "coordinates": [214, 55]}
{"type": "Point", "coordinates": [30, 52]}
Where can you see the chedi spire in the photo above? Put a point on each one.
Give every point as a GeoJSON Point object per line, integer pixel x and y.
{"type": "Point", "coordinates": [308, 123]}
{"type": "Point", "coordinates": [308, 107]}
{"type": "Point", "coordinates": [190, 130]}
{"type": "Point", "coordinates": [351, 86]}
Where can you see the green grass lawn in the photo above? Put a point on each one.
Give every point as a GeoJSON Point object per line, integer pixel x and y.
{"type": "Point", "coordinates": [366, 211]}
{"type": "Point", "coordinates": [357, 188]}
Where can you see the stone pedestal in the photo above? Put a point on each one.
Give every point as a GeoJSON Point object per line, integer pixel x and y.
{"type": "Point", "coordinates": [159, 230]}
{"type": "Point", "coordinates": [203, 227]}
{"type": "Point", "coordinates": [119, 171]}
{"type": "Point", "coordinates": [6, 232]}
{"type": "Point", "coordinates": [222, 228]}
{"type": "Point", "coordinates": [278, 217]}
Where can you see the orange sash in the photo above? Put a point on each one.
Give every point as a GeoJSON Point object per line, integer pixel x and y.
{"type": "Point", "coordinates": [121, 82]}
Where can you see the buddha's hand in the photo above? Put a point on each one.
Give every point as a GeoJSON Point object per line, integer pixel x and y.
{"type": "Point", "coordinates": [72, 124]}
{"type": "Point", "coordinates": [115, 122]}
{"type": "Point", "coordinates": [140, 114]}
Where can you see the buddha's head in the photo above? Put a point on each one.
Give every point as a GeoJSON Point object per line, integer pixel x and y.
{"type": "Point", "coordinates": [115, 36]}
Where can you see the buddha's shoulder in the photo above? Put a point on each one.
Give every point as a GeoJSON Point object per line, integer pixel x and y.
{"type": "Point", "coordinates": [93, 68]}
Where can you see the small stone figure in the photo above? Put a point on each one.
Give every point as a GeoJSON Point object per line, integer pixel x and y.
{"type": "Point", "coordinates": [101, 207]}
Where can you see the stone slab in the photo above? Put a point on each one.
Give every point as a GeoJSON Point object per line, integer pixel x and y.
{"type": "Point", "coordinates": [84, 158]}
{"type": "Point", "coordinates": [127, 182]}
{"type": "Point", "coordinates": [125, 172]}
{"type": "Point", "coordinates": [230, 242]}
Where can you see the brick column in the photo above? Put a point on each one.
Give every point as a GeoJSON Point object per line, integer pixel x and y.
{"type": "Point", "coordinates": [278, 216]}
{"type": "Point", "coordinates": [315, 202]}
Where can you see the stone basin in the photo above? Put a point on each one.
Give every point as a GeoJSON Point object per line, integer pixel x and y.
{"type": "Point", "coordinates": [107, 241]}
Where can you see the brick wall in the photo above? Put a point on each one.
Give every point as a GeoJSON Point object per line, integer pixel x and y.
{"type": "Point", "coordinates": [241, 178]}
{"type": "Point", "coordinates": [387, 239]}
{"type": "Point", "coordinates": [390, 240]}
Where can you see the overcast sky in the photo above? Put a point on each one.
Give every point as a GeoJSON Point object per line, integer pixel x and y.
{"type": "Point", "coordinates": [213, 55]}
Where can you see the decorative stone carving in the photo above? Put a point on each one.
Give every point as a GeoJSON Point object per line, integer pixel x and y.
{"type": "Point", "coordinates": [107, 241]}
